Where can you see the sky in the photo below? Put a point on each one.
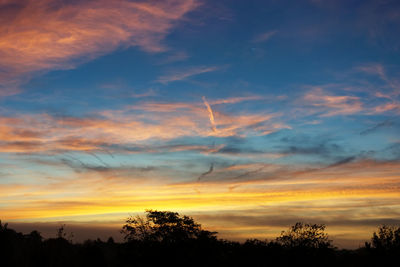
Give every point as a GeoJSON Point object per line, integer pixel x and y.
{"type": "Point", "coordinates": [246, 115]}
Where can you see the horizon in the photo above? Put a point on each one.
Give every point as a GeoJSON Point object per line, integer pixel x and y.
{"type": "Point", "coordinates": [79, 232]}
{"type": "Point", "coordinates": [247, 116]}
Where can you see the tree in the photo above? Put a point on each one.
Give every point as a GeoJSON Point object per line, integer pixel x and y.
{"type": "Point", "coordinates": [164, 226]}
{"type": "Point", "coordinates": [311, 236]}
{"type": "Point", "coordinates": [62, 234]}
{"type": "Point", "coordinates": [388, 237]}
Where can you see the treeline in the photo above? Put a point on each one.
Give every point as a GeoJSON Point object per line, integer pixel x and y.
{"type": "Point", "coordinates": [164, 238]}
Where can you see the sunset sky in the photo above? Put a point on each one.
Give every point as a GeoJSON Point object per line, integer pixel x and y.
{"type": "Point", "coordinates": [247, 115]}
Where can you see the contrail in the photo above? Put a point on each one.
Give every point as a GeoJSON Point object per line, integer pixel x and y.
{"type": "Point", "coordinates": [210, 114]}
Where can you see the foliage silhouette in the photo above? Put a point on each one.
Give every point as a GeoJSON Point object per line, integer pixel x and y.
{"type": "Point", "coordinates": [164, 226]}
{"type": "Point", "coordinates": [167, 238]}
{"type": "Point", "coordinates": [388, 238]}
{"type": "Point", "coordinates": [384, 249]}
{"type": "Point", "coordinates": [304, 235]}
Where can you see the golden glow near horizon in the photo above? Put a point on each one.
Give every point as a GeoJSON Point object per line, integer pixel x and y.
{"type": "Point", "coordinates": [336, 196]}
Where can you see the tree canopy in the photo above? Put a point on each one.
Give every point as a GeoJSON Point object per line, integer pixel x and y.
{"type": "Point", "coordinates": [387, 237]}
{"type": "Point", "coordinates": [164, 226]}
{"type": "Point", "coordinates": [304, 235]}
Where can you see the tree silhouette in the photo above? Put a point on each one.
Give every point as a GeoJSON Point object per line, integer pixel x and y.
{"type": "Point", "coordinates": [164, 226]}
{"type": "Point", "coordinates": [388, 237]}
{"type": "Point", "coordinates": [164, 237]}
{"type": "Point", "coordinates": [302, 235]}
{"type": "Point", "coordinates": [62, 234]}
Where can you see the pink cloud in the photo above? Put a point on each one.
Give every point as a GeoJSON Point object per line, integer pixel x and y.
{"type": "Point", "coordinates": [130, 125]}
{"type": "Point", "coordinates": [332, 105]}
{"type": "Point", "coordinates": [393, 106]}
{"type": "Point", "coordinates": [43, 35]}
{"type": "Point", "coordinates": [375, 69]}
{"type": "Point", "coordinates": [7, 91]}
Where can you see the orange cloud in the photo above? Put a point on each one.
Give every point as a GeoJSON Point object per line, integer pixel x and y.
{"type": "Point", "coordinates": [42, 35]}
{"type": "Point", "coordinates": [387, 107]}
{"type": "Point", "coordinates": [210, 114]}
{"type": "Point", "coordinates": [42, 132]}
{"type": "Point", "coordinates": [331, 105]}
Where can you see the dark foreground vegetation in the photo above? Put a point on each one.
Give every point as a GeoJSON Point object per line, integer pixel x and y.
{"type": "Point", "coordinates": [165, 238]}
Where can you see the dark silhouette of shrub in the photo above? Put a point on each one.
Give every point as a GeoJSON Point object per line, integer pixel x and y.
{"type": "Point", "coordinates": [384, 249]}
{"type": "Point", "coordinates": [387, 238]}
{"type": "Point", "coordinates": [304, 235]}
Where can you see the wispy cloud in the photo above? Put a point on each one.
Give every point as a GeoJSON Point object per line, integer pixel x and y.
{"type": "Point", "coordinates": [393, 106]}
{"type": "Point", "coordinates": [44, 35]}
{"type": "Point", "coordinates": [206, 173]}
{"type": "Point", "coordinates": [182, 74]}
{"type": "Point", "coordinates": [210, 114]}
{"type": "Point", "coordinates": [174, 57]}
{"type": "Point", "coordinates": [123, 127]}
{"type": "Point", "coordinates": [149, 92]}
{"type": "Point", "coordinates": [332, 105]}
{"type": "Point", "coordinates": [376, 69]}
{"type": "Point", "coordinates": [263, 37]}
{"type": "Point", "coordinates": [8, 91]}
{"type": "Point", "coordinates": [234, 100]}
{"type": "Point", "coordinates": [378, 126]}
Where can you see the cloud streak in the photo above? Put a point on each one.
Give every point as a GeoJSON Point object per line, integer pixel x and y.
{"type": "Point", "coordinates": [43, 35]}
{"type": "Point", "coordinates": [210, 114]}
{"type": "Point", "coordinates": [332, 105]}
{"type": "Point", "coordinates": [263, 37]}
{"type": "Point", "coordinates": [179, 75]}
{"type": "Point", "coordinates": [125, 127]}
{"type": "Point", "coordinates": [207, 172]}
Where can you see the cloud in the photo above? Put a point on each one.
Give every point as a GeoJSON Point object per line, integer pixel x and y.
{"type": "Point", "coordinates": [44, 35]}
{"type": "Point", "coordinates": [393, 106]}
{"type": "Point", "coordinates": [8, 91]}
{"type": "Point", "coordinates": [104, 169]}
{"type": "Point", "coordinates": [309, 145]}
{"type": "Point", "coordinates": [375, 69]}
{"type": "Point", "coordinates": [149, 92]}
{"type": "Point", "coordinates": [234, 100]}
{"type": "Point", "coordinates": [377, 20]}
{"type": "Point", "coordinates": [332, 105]}
{"type": "Point", "coordinates": [179, 75]}
{"type": "Point", "coordinates": [174, 57]}
{"type": "Point", "coordinates": [210, 114]}
{"type": "Point", "coordinates": [207, 172]}
{"type": "Point", "coordinates": [263, 37]}
{"type": "Point", "coordinates": [124, 127]}
{"type": "Point", "coordinates": [385, 97]}
{"type": "Point", "coordinates": [342, 161]}
{"type": "Point", "coordinates": [378, 126]}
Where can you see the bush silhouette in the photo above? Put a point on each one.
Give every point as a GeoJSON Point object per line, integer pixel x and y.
{"type": "Point", "coordinates": [300, 235]}
{"type": "Point", "coordinates": [387, 238]}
